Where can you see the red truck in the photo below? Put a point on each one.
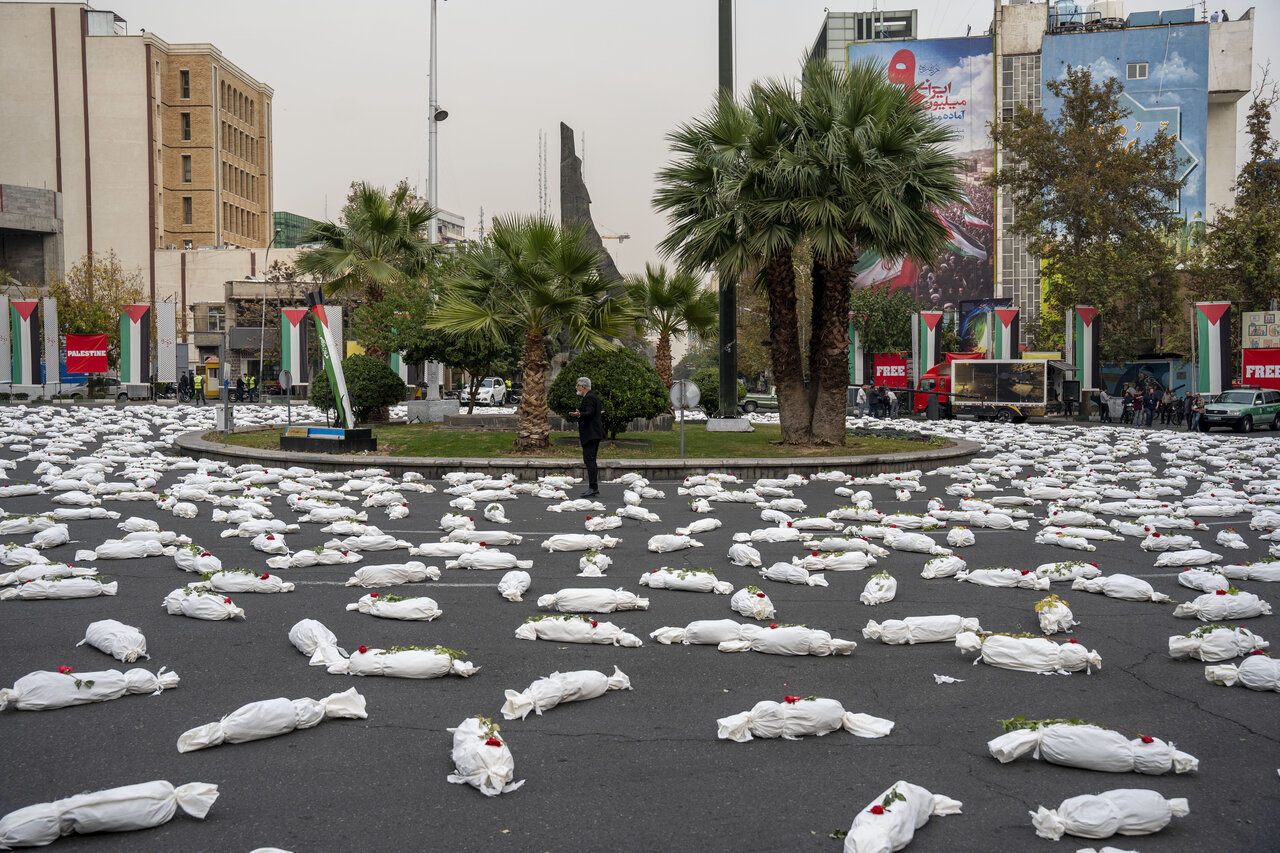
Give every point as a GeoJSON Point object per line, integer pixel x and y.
{"type": "Point", "coordinates": [993, 389]}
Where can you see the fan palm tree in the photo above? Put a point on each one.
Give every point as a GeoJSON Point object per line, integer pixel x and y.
{"type": "Point", "coordinates": [382, 239]}
{"type": "Point", "coordinates": [848, 163]}
{"type": "Point", "coordinates": [532, 281]}
{"type": "Point", "coordinates": [671, 304]}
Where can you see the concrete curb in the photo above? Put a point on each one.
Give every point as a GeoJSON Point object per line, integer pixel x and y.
{"type": "Point", "coordinates": [194, 445]}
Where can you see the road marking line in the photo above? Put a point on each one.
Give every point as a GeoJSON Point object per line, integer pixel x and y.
{"type": "Point", "coordinates": [430, 583]}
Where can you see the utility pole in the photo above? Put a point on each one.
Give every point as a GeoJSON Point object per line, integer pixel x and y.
{"type": "Point", "coordinates": [435, 115]}
{"type": "Point", "coordinates": [727, 286]}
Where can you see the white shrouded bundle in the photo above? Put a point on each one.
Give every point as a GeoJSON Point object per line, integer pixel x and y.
{"type": "Point", "coordinates": [1094, 534]}
{"type": "Point", "coordinates": [1213, 606]}
{"type": "Point", "coordinates": [484, 537]}
{"type": "Point", "coordinates": [123, 642]}
{"type": "Point", "coordinates": [308, 635]}
{"type": "Point", "coordinates": [1093, 748]}
{"type": "Point", "coordinates": [23, 524]}
{"type": "Point", "coordinates": [770, 534]}
{"type": "Point", "coordinates": [1029, 654]}
{"type": "Point", "coordinates": [752, 603]}
{"type": "Point", "coordinates": [906, 521]}
{"type": "Point", "coordinates": [45, 570]}
{"type": "Point", "coordinates": [943, 567]}
{"type": "Point", "coordinates": [193, 559]}
{"type": "Point", "coordinates": [1157, 541]}
{"type": "Point", "coordinates": [254, 526]}
{"type": "Point", "coordinates": [314, 557]}
{"type": "Point", "coordinates": [1194, 557]}
{"type": "Point", "coordinates": [578, 542]}
{"type": "Point", "coordinates": [121, 809]}
{"type": "Point", "coordinates": [20, 555]}
{"type": "Point", "coordinates": [67, 587]}
{"type": "Point", "coordinates": [488, 560]}
{"type": "Point", "coordinates": [1125, 811]}
{"type": "Point", "coordinates": [1265, 572]}
{"type": "Point", "coordinates": [328, 514]}
{"type": "Point", "coordinates": [795, 717]}
{"type": "Point", "coordinates": [1003, 576]}
{"type": "Point", "coordinates": [820, 523]}
{"type": "Point", "coordinates": [1054, 615]}
{"type": "Point", "coordinates": [368, 542]}
{"type": "Point", "coordinates": [787, 573]}
{"type": "Point", "coordinates": [393, 663]}
{"type": "Point", "coordinates": [1265, 520]}
{"type": "Point", "coordinates": [960, 537]}
{"type": "Point", "coordinates": [991, 520]}
{"type": "Point", "coordinates": [919, 629]}
{"type": "Point", "coordinates": [482, 760]}
{"type": "Point", "coordinates": [881, 587]}
{"type": "Point", "coordinates": [1062, 540]}
{"type": "Point", "coordinates": [119, 549]}
{"type": "Point", "coordinates": [881, 828]}
{"type": "Point", "coordinates": [1123, 587]}
{"type": "Point", "coordinates": [844, 543]}
{"type": "Point", "coordinates": [918, 543]}
{"type": "Point", "coordinates": [593, 564]}
{"type": "Point", "coordinates": [666, 542]}
{"type": "Point", "coordinates": [639, 513]}
{"type": "Point", "coordinates": [450, 550]}
{"type": "Point", "coordinates": [787, 640]}
{"type": "Point", "coordinates": [1203, 580]}
{"type": "Point", "coordinates": [838, 561]}
{"type": "Point", "coordinates": [454, 521]}
{"type": "Point", "coordinates": [704, 632]}
{"type": "Point", "coordinates": [579, 505]}
{"type": "Point", "coordinates": [559, 688]}
{"type": "Point", "coordinates": [1215, 643]}
{"type": "Point", "coordinates": [593, 601]}
{"type": "Point", "coordinates": [239, 580]}
{"type": "Point", "coordinates": [270, 543]}
{"type": "Point", "coordinates": [577, 629]}
{"type": "Point", "coordinates": [702, 525]}
{"type": "Point", "coordinates": [1067, 571]}
{"type": "Point", "coordinates": [597, 523]}
{"type": "Point", "coordinates": [199, 603]}
{"type": "Point", "coordinates": [513, 585]}
{"type": "Point", "coordinates": [1257, 672]}
{"type": "Point", "coordinates": [51, 537]}
{"type": "Point", "coordinates": [420, 609]}
{"type": "Point", "coordinates": [43, 690]}
{"type": "Point", "coordinates": [181, 509]}
{"type": "Point", "coordinates": [393, 574]}
{"type": "Point", "coordinates": [273, 717]}
{"type": "Point", "coordinates": [688, 580]}
{"type": "Point", "coordinates": [742, 554]}
{"type": "Point", "coordinates": [496, 513]}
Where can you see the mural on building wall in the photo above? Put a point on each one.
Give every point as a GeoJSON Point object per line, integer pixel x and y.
{"type": "Point", "coordinates": [973, 317]}
{"type": "Point", "coordinates": [1165, 72]}
{"type": "Point", "coordinates": [955, 76]}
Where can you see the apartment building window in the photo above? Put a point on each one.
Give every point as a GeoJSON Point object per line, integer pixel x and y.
{"type": "Point", "coordinates": [186, 168]}
{"type": "Point", "coordinates": [186, 126]}
{"type": "Point", "coordinates": [226, 216]}
{"type": "Point", "coordinates": [186, 210]}
{"type": "Point", "coordinates": [184, 83]}
{"type": "Point", "coordinates": [187, 244]}
{"type": "Point", "coordinates": [1136, 71]}
{"type": "Point", "coordinates": [217, 318]}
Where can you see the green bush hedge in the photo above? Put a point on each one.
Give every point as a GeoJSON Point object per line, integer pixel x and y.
{"type": "Point", "coordinates": [372, 384]}
{"type": "Point", "coordinates": [708, 382]}
{"type": "Point", "coordinates": [628, 387]}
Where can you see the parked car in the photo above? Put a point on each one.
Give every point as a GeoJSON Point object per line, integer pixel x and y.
{"type": "Point", "coordinates": [1242, 409]}
{"type": "Point", "coordinates": [491, 392]}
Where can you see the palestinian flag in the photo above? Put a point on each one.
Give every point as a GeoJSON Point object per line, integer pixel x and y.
{"type": "Point", "coordinates": [293, 344]}
{"type": "Point", "coordinates": [872, 269]}
{"type": "Point", "coordinates": [926, 346]}
{"type": "Point", "coordinates": [857, 361]}
{"type": "Point", "coordinates": [410, 374]}
{"type": "Point", "coordinates": [332, 360]}
{"type": "Point", "coordinates": [25, 337]}
{"type": "Point", "coordinates": [1084, 346]}
{"type": "Point", "coordinates": [1003, 324]}
{"type": "Point", "coordinates": [135, 345]}
{"type": "Point", "coordinates": [1213, 347]}
{"type": "Point", "coordinates": [6, 343]}
{"type": "Point", "coordinates": [958, 244]}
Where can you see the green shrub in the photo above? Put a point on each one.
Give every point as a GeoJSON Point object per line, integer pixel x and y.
{"type": "Point", "coordinates": [372, 384]}
{"type": "Point", "coordinates": [628, 387]}
{"type": "Point", "coordinates": [708, 382]}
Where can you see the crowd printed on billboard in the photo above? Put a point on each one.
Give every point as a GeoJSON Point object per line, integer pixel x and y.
{"type": "Point", "coordinates": [1261, 329]}
{"type": "Point", "coordinates": [1262, 367]}
{"type": "Point", "coordinates": [890, 369]}
{"type": "Point", "coordinates": [1157, 375]}
{"type": "Point", "coordinates": [954, 76]}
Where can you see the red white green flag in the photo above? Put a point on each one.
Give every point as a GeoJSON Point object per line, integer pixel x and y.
{"type": "Point", "coordinates": [332, 361]}
{"type": "Point", "coordinates": [135, 345]}
{"type": "Point", "coordinates": [25, 337]}
{"type": "Point", "coordinates": [293, 344]}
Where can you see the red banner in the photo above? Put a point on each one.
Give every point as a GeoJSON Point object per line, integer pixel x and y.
{"type": "Point", "coordinates": [86, 353]}
{"type": "Point", "coordinates": [1262, 368]}
{"type": "Point", "coordinates": [891, 369]}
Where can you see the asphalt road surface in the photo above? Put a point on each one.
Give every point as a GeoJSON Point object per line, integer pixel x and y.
{"type": "Point", "coordinates": [633, 770]}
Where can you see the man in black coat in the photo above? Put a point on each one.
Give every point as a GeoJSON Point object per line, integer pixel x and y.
{"type": "Point", "coordinates": [590, 431]}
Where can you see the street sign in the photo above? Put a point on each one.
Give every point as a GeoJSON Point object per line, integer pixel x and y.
{"type": "Point", "coordinates": [286, 380]}
{"type": "Point", "coordinates": [684, 394]}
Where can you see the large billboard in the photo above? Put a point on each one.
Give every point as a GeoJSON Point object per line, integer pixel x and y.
{"type": "Point", "coordinates": [955, 77]}
{"type": "Point", "coordinates": [1260, 329]}
{"type": "Point", "coordinates": [974, 316]}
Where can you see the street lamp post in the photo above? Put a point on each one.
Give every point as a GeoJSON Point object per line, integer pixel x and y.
{"type": "Point", "coordinates": [262, 332]}
{"type": "Point", "coordinates": [435, 115]}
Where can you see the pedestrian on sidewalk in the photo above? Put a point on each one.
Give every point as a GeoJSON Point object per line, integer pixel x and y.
{"type": "Point", "coordinates": [1188, 409]}
{"type": "Point", "coordinates": [590, 432]}
{"type": "Point", "coordinates": [1104, 407]}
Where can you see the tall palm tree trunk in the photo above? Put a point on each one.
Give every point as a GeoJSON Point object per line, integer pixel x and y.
{"type": "Point", "coordinates": [662, 359]}
{"type": "Point", "coordinates": [532, 429]}
{"type": "Point", "coordinates": [829, 359]}
{"type": "Point", "coordinates": [818, 283]}
{"type": "Point", "coordinates": [794, 411]}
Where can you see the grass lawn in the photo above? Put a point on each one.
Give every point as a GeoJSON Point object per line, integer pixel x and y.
{"type": "Point", "coordinates": [420, 440]}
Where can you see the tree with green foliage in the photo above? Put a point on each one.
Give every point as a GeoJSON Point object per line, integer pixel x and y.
{"type": "Point", "coordinates": [628, 388]}
{"type": "Point", "coordinates": [708, 382]}
{"type": "Point", "coordinates": [1095, 207]}
{"type": "Point", "coordinates": [845, 161]}
{"type": "Point", "coordinates": [530, 282]}
{"type": "Point", "coordinates": [671, 304]}
{"type": "Point", "coordinates": [883, 318]}
{"type": "Point", "coordinates": [90, 296]}
{"type": "Point", "coordinates": [374, 388]}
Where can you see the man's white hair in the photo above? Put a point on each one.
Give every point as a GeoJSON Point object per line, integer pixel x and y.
{"type": "Point", "coordinates": [584, 382]}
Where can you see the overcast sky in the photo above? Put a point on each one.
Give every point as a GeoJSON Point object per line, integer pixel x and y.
{"type": "Point", "coordinates": [350, 84]}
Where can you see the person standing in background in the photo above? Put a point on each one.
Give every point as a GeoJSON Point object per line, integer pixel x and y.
{"type": "Point", "coordinates": [590, 432]}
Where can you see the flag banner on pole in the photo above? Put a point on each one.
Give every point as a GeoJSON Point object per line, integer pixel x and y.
{"type": "Point", "coordinates": [1085, 337]}
{"type": "Point", "coordinates": [166, 342]}
{"type": "Point", "coordinates": [6, 342]}
{"type": "Point", "coordinates": [1213, 346]}
{"type": "Point", "coordinates": [928, 345]}
{"type": "Point", "coordinates": [87, 353]}
{"type": "Point", "coordinates": [293, 344]}
{"type": "Point", "coordinates": [333, 313]}
{"type": "Point", "coordinates": [25, 349]}
{"type": "Point", "coordinates": [49, 312]}
{"type": "Point", "coordinates": [1004, 333]}
{"type": "Point", "coordinates": [332, 359]}
{"type": "Point", "coordinates": [857, 360]}
{"type": "Point", "coordinates": [1261, 367]}
{"type": "Point", "coordinates": [135, 344]}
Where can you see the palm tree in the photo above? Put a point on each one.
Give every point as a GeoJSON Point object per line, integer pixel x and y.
{"type": "Point", "coordinates": [382, 239]}
{"type": "Point", "coordinates": [671, 304]}
{"type": "Point", "coordinates": [532, 281]}
{"type": "Point", "coordinates": [847, 163]}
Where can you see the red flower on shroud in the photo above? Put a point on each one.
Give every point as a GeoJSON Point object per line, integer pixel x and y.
{"type": "Point", "coordinates": [264, 576]}
{"type": "Point", "coordinates": [493, 741]}
{"type": "Point", "coordinates": [877, 809]}
{"type": "Point", "coordinates": [1026, 571]}
{"type": "Point", "coordinates": [226, 601]}
{"type": "Point", "coordinates": [1257, 652]}
{"type": "Point", "coordinates": [773, 625]}
{"type": "Point", "coordinates": [594, 623]}
{"type": "Point", "coordinates": [791, 700]}
{"type": "Point", "coordinates": [65, 670]}
{"type": "Point", "coordinates": [373, 595]}
{"type": "Point", "coordinates": [759, 595]}
{"type": "Point", "coordinates": [363, 649]}
{"type": "Point", "coordinates": [1221, 591]}
{"type": "Point", "coordinates": [1148, 739]}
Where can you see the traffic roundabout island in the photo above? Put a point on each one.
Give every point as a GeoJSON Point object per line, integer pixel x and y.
{"type": "Point", "coordinates": [433, 452]}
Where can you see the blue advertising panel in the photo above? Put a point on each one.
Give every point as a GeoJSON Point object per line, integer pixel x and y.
{"type": "Point", "coordinates": [955, 77]}
{"type": "Point", "coordinates": [1165, 72]}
